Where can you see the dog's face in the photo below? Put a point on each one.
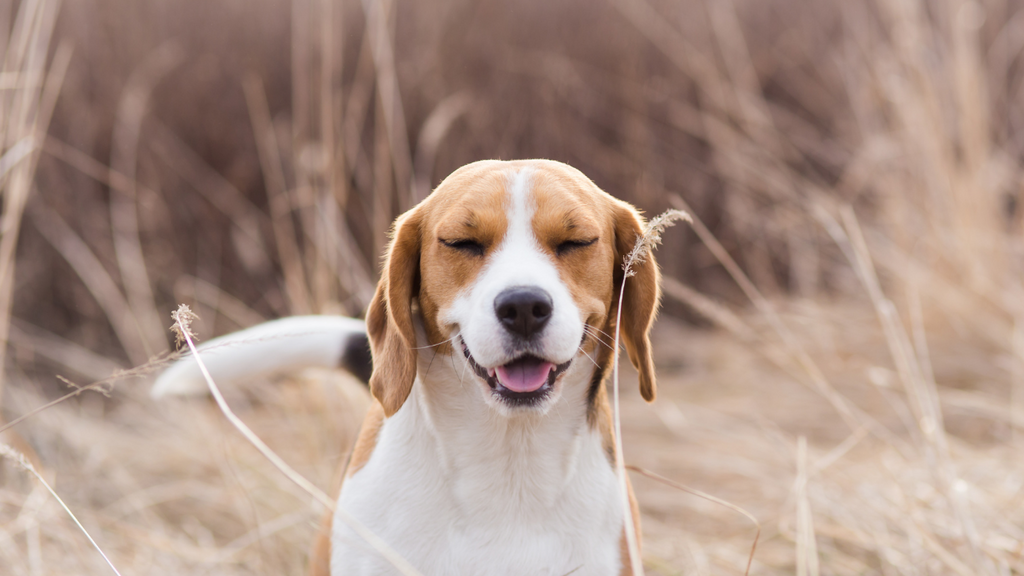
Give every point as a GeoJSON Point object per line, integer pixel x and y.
{"type": "Point", "coordinates": [516, 267]}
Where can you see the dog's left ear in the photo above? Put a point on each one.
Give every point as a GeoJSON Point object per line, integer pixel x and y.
{"type": "Point", "coordinates": [641, 296]}
{"type": "Point", "coordinates": [389, 317]}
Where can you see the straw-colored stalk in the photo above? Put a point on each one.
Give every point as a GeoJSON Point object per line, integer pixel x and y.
{"type": "Point", "coordinates": [22, 462]}
{"type": "Point", "coordinates": [645, 244]}
{"type": "Point", "coordinates": [182, 328]}
{"type": "Point", "coordinates": [25, 113]}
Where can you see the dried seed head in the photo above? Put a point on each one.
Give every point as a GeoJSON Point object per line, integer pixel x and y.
{"type": "Point", "coordinates": [651, 238]}
{"type": "Point", "coordinates": [17, 457]}
{"type": "Point", "coordinates": [182, 326]}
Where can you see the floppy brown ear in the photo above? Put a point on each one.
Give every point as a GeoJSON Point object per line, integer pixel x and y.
{"type": "Point", "coordinates": [640, 299]}
{"type": "Point", "coordinates": [389, 317]}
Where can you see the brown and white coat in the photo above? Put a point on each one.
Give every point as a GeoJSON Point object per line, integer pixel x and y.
{"type": "Point", "coordinates": [488, 448]}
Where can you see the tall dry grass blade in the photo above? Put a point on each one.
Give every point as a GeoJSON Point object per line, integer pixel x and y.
{"type": "Point", "coordinates": [340, 252]}
{"type": "Point", "coordinates": [357, 108]}
{"type": "Point", "coordinates": [383, 211]}
{"type": "Point", "coordinates": [642, 249]}
{"type": "Point", "coordinates": [62, 351]}
{"type": "Point", "coordinates": [739, 67]}
{"type": "Point", "coordinates": [23, 463]}
{"type": "Point", "coordinates": [336, 245]}
{"type": "Point", "coordinates": [378, 27]}
{"type": "Point", "coordinates": [301, 70]}
{"type": "Point", "coordinates": [434, 128]}
{"type": "Point", "coordinates": [335, 270]}
{"type": "Point", "coordinates": [102, 386]}
{"type": "Point", "coordinates": [97, 281]}
{"type": "Point", "coordinates": [288, 251]}
{"type": "Point", "coordinates": [214, 297]}
{"type": "Point", "coordinates": [183, 317]}
{"type": "Point", "coordinates": [246, 217]}
{"type": "Point", "coordinates": [807, 561]}
{"type": "Point", "coordinates": [91, 167]}
{"type": "Point", "coordinates": [309, 161]}
{"type": "Point", "coordinates": [710, 498]}
{"type": "Point", "coordinates": [853, 416]}
{"type": "Point", "coordinates": [6, 12]}
{"type": "Point", "coordinates": [921, 390]}
{"type": "Point", "coordinates": [684, 55]}
{"type": "Point", "coordinates": [332, 58]}
{"type": "Point", "coordinates": [325, 221]}
{"type": "Point", "coordinates": [900, 347]}
{"type": "Point", "coordinates": [708, 308]}
{"type": "Point", "coordinates": [25, 116]}
{"type": "Point", "coordinates": [124, 219]}
{"type": "Point", "coordinates": [25, 105]}
{"type": "Point", "coordinates": [1017, 386]}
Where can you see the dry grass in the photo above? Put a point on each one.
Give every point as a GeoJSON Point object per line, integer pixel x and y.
{"type": "Point", "coordinates": [854, 169]}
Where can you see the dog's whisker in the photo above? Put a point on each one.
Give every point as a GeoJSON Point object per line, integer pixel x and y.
{"type": "Point", "coordinates": [596, 365]}
{"type": "Point", "coordinates": [559, 412]}
{"type": "Point", "coordinates": [606, 341]}
{"type": "Point", "coordinates": [597, 337]}
{"type": "Point", "coordinates": [465, 366]}
{"type": "Point", "coordinates": [442, 343]}
{"type": "Point", "coordinates": [451, 357]}
{"type": "Point", "coordinates": [597, 331]}
{"type": "Point", "coordinates": [431, 363]}
{"type": "Point", "coordinates": [462, 375]}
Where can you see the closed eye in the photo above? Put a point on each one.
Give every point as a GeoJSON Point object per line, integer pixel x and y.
{"type": "Point", "coordinates": [573, 245]}
{"type": "Point", "coordinates": [465, 245]}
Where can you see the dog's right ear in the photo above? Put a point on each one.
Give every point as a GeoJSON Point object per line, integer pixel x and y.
{"type": "Point", "coordinates": [640, 304]}
{"type": "Point", "coordinates": [389, 317]}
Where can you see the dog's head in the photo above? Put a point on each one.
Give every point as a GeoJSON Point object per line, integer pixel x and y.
{"type": "Point", "coordinates": [516, 267]}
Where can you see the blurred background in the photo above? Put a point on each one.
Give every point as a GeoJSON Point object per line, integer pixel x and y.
{"type": "Point", "coordinates": [841, 348]}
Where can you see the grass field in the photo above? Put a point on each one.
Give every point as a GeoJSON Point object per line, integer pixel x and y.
{"type": "Point", "coordinates": [841, 348]}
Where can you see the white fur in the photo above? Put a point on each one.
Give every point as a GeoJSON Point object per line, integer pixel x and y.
{"type": "Point", "coordinates": [272, 347]}
{"type": "Point", "coordinates": [457, 489]}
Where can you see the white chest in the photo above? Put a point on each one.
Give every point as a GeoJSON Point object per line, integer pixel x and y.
{"type": "Point", "coordinates": [496, 500]}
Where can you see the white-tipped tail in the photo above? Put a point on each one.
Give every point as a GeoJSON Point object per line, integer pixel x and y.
{"type": "Point", "coordinates": [272, 347]}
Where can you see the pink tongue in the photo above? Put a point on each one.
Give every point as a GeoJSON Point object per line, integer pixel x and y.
{"type": "Point", "coordinates": [524, 375]}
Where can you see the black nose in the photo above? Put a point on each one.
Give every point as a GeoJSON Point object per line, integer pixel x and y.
{"type": "Point", "coordinates": [523, 310]}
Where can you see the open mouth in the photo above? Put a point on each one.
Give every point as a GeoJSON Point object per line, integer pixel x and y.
{"type": "Point", "coordinates": [524, 381]}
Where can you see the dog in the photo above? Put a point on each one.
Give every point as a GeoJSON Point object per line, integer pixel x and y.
{"type": "Point", "coordinates": [488, 447]}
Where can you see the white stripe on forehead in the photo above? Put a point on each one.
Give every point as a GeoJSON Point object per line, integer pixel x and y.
{"type": "Point", "coordinates": [519, 260]}
{"type": "Point", "coordinates": [520, 207]}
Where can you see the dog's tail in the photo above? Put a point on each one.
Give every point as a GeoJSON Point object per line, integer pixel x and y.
{"type": "Point", "coordinates": [272, 347]}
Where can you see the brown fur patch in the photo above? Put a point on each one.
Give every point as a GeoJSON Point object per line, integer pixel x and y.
{"type": "Point", "coordinates": [389, 318]}
{"type": "Point", "coordinates": [320, 556]}
{"type": "Point", "coordinates": [570, 208]}
{"type": "Point", "coordinates": [366, 441]}
{"type": "Point", "coordinates": [467, 206]}
{"type": "Point", "coordinates": [640, 302]}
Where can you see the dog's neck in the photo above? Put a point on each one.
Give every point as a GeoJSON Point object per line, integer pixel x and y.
{"type": "Point", "coordinates": [522, 454]}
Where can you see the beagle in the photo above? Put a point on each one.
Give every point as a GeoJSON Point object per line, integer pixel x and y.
{"type": "Point", "coordinates": [488, 448]}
